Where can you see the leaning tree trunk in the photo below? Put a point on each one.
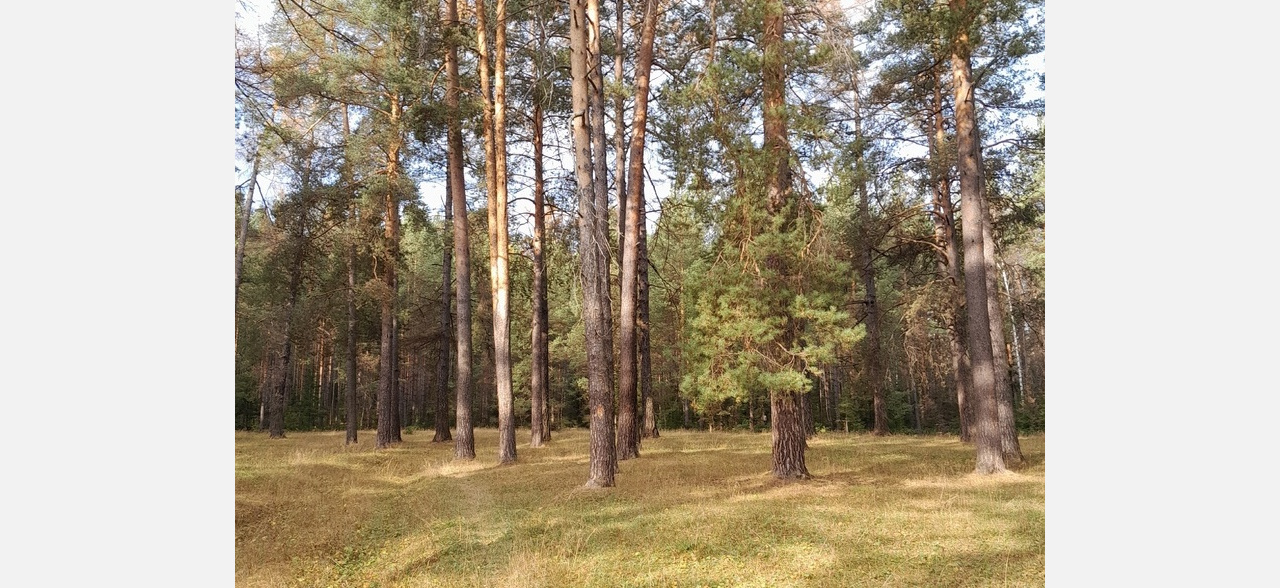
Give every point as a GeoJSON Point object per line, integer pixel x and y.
{"type": "Point", "coordinates": [594, 244]}
{"type": "Point", "coordinates": [244, 227]}
{"type": "Point", "coordinates": [986, 423]}
{"type": "Point", "coordinates": [948, 257]}
{"type": "Point", "coordinates": [787, 422]}
{"type": "Point", "coordinates": [539, 368]}
{"type": "Point", "coordinates": [464, 443]}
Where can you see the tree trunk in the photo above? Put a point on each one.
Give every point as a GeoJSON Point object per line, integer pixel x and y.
{"type": "Point", "coordinates": [326, 398]}
{"type": "Point", "coordinates": [352, 414]}
{"type": "Point", "coordinates": [595, 76]}
{"type": "Point", "coordinates": [464, 442]}
{"type": "Point", "coordinates": [440, 389]}
{"type": "Point", "coordinates": [539, 368]}
{"type": "Point", "coordinates": [594, 242]}
{"type": "Point", "coordinates": [619, 144]}
{"type": "Point", "coordinates": [1017, 342]}
{"type": "Point", "coordinates": [875, 362]}
{"type": "Point", "coordinates": [1004, 393]}
{"type": "Point", "coordinates": [628, 422]}
{"type": "Point", "coordinates": [397, 387]}
{"type": "Point", "coordinates": [986, 423]}
{"type": "Point", "coordinates": [650, 426]}
{"type": "Point", "coordinates": [787, 419]}
{"type": "Point", "coordinates": [499, 287]}
{"type": "Point", "coordinates": [265, 389]}
{"type": "Point", "coordinates": [828, 409]}
{"type": "Point", "coordinates": [244, 227]}
{"type": "Point", "coordinates": [948, 257]}
{"type": "Point", "coordinates": [787, 434]}
{"type": "Point", "coordinates": [628, 437]}
{"type": "Point", "coordinates": [285, 372]}
{"type": "Point", "coordinates": [388, 431]}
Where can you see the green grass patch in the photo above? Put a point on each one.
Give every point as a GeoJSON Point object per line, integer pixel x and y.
{"type": "Point", "coordinates": [697, 509]}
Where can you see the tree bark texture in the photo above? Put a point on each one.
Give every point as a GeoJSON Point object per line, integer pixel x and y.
{"type": "Point", "coordinates": [628, 436]}
{"type": "Point", "coordinates": [499, 274]}
{"type": "Point", "coordinates": [593, 241]}
{"type": "Point", "coordinates": [464, 439]}
{"type": "Point", "coordinates": [986, 423]}
{"type": "Point", "coordinates": [628, 413]}
{"type": "Point", "coordinates": [787, 418]}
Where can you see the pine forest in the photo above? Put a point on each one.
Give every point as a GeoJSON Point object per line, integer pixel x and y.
{"type": "Point", "coordinates": [790, 253]}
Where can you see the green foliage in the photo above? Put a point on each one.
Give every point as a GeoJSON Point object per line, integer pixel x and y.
{"type": "Point", "coordinates": [743, 300]}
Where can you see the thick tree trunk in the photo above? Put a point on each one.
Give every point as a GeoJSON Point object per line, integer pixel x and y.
{"type": "Point", "coordinates": [787, 418]}
{"type": "Point", "coordinates": [593, 238]}
{"type": "Point", "coordinates": [539, 368]}
{"type": "Point", "coordinates": [464, 441]}
{"type": "Point", "coordinates": [787, 433]}
{"type": "Point", "coordinates": [986, 423]}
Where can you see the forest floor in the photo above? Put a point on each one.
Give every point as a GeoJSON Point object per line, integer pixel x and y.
{"type": "Point", "coordinates": [696, 509]}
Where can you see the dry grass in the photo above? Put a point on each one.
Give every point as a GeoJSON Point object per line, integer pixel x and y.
{"type": "Point", "coordinates": [697, 509]}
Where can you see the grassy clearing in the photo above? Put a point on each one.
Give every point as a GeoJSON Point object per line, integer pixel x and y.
{"type": "Point", "coordinates": [697, 509]}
